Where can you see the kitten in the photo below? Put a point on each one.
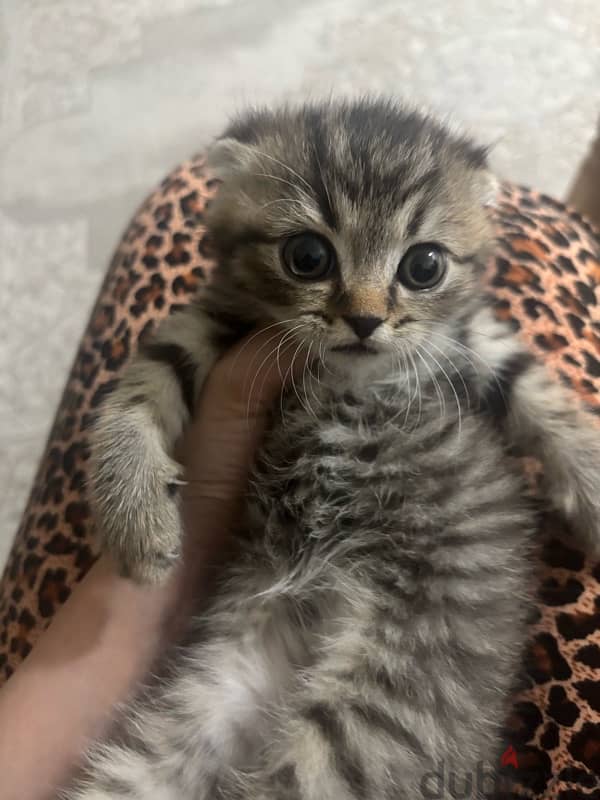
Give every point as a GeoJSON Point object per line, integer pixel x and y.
{"type": "Point", "coordinates": [373, 624]}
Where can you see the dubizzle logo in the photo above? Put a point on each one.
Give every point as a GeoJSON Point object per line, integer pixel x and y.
{"type": "Point", "coordinates": [509, 757]}
{"type": "Point", "coordinates": [484, 781]}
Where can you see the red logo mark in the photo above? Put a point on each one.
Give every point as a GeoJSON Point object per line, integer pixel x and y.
{"type": "Point", "coordinates": [509, 757]}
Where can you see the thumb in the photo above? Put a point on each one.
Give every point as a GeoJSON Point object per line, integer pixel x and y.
{"type": "Point", "coordinates": [253, 373]}
{"type": "Point", "coordinates": [233, 410]}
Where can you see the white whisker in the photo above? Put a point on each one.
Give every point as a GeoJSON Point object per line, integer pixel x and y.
{"type": "Point", "coordinates": [409, 388]}
{"type": "Point", "coordinates": [418, 388]}
{"type": "Point", "coordinates": [455, 368]}
{"type": "Point", "coordinates": [282, 200]}
{"type": "Point", "coordinates": [293, 378]}
{"type": "Point", "coordinates": [323, 362]}
{"type": "Point", "coordinates": [251, 339]}
{"type": "Point", "coordinates": [323, 181]}
{"type": "Point", "coordinates": [312, 378]}
{"type": "Point", "coordinates": [283, 180]}
{"type": "Point", "coordinates": [450, 384]}
{"type": "Point", "coordinates": [399, 353]}
{"type": "Point", "coordinates": [436, 384]}
{"type": "Point", "coordinates": [466, 352]}
{"type": "Point", "coordinates": [285, 166]}
{"type": "Point", "coordinates": [270, 354]}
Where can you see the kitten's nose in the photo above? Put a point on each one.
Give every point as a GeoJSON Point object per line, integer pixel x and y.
{"type": "Point", "coordinates": [363, 327]}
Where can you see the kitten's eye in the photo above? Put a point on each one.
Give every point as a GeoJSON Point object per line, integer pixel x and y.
{"type": "Point", "coordinates": [423, 267]}
{"type": "Point", "coordinates": [308, 256]}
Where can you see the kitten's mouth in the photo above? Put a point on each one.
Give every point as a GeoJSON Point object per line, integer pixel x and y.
{"type": "Point", "coordinates": [355, 348]}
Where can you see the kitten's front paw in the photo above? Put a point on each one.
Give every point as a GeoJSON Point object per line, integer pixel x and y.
{"type": "Point", "coordinates": [144, 534]}
{"type": "Point", "coordinates": [136, 503]}
{"type": "Point", "coordinates": [152, 546]}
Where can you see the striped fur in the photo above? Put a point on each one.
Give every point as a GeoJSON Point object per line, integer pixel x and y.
{"type": "Point", "coordinates": [372, 625]}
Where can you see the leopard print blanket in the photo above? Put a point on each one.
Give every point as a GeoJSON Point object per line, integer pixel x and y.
{"type": "Point", "coordinates": [545, 279]}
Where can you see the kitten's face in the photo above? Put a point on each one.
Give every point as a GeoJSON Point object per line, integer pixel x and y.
{"type": "Point", "coordinates": [359, 227]}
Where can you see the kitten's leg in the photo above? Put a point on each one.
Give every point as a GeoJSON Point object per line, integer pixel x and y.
{"type": "Point", "coordinates": [543, 420]}
{"type": "Point", "coordinates": [367, 725]}
{"type": "Point", "coordinates": [134, 479]}
{"type": "Point", "coordinates": [209, 717]}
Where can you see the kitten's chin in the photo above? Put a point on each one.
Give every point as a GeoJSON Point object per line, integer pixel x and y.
{"type": "Point", "coordinates": [357, 365]}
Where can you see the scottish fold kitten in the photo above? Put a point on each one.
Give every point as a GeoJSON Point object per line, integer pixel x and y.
{"type": "Point", "coordinates": [372, 625]}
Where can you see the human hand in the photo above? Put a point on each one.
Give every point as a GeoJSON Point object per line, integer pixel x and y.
{"type": "Point", "coordinates": [218, 448]}
{"type": "Point", "coordinates": [103, 641]}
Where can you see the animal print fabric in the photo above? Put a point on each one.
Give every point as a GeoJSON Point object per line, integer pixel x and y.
{"type": "Point", "coordinates": [545, 279]}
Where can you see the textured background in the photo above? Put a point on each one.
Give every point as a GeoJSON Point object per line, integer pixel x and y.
{"type": "Point", "coordinates": [98, 98]}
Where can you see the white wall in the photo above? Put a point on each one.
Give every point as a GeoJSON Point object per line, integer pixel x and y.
{"type": "Point", "coordinates": [98, 98]}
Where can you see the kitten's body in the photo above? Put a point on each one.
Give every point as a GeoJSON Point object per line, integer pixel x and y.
{"type": "Point", "coordinates": [372, 624]}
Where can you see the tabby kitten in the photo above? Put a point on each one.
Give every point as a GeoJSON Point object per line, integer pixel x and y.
{"type": "Point", "coordinates": [371, 627]}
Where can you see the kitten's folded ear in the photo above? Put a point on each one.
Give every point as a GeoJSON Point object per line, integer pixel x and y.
{"type": "Point", "coordinates": [227, 157]}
